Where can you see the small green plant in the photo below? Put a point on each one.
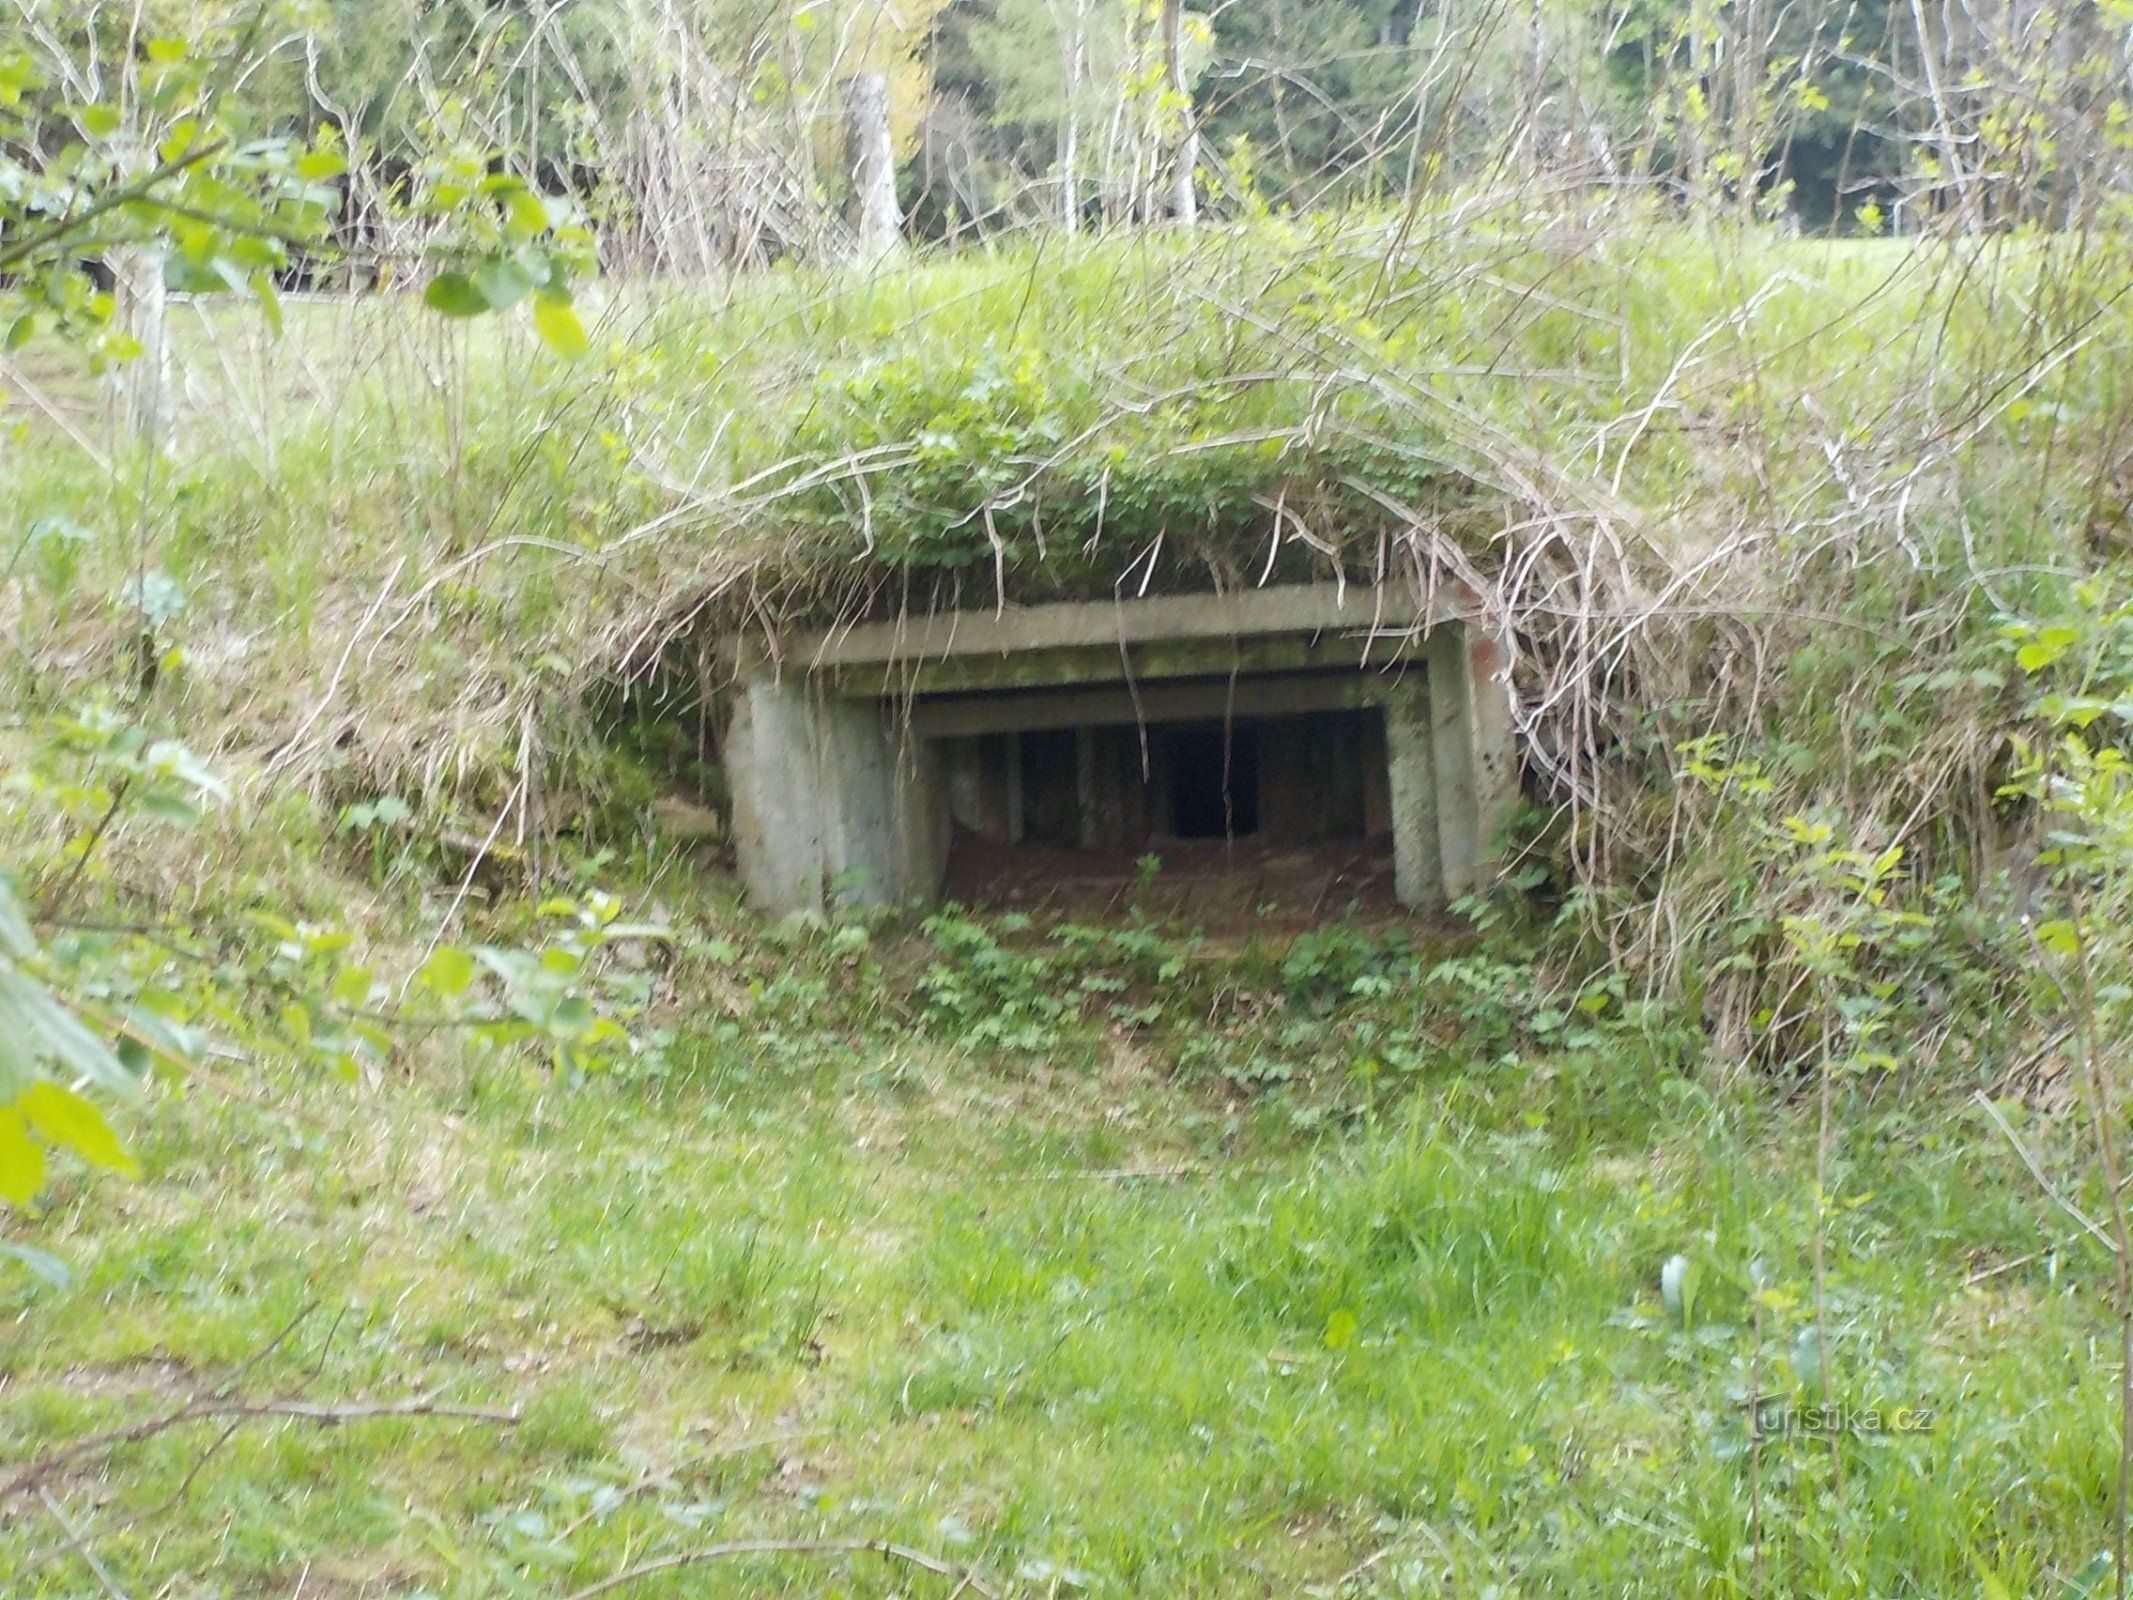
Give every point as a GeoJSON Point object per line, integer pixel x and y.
{"type": "Point", "coordinates": [988, 992]}
{"type": "Point", "coordinates": [2078, 774]}
{"type": "Point", "coordinates": [383, 825]}
{"type": "Point", "coordinates": [43, 1044]}
{"type": "Point", "coordinates": [557, 997]}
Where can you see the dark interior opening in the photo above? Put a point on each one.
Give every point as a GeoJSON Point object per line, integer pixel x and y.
{"type": "Point", "coordinates": [1051, 787]}
{"type": "Point", "coordinates": [1214, 780]}
{"type": "Point", "coordinates": [1286, 815]}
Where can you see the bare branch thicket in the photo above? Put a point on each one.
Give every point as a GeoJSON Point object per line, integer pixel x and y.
{"type": "Point", "coordinates": [702, 183]}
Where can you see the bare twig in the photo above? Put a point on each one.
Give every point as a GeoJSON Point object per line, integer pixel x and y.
{"type": "Point", "coordinates": [220, 1407]}
{"type": "Point", "coordinates": [656, 1476]}
{"type": "Point", "coordinates": [1986, 1274]}
{"type": "Point", "coordinates": [80, 1545]}
{"type": "Point", "coordinates": [2044, 1183]}
{"type": "Point", "coordinates": [886, 1549]}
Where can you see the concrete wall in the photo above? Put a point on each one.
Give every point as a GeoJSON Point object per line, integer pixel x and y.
{"type": "Point", "coordinates": [1411, 768]}
{"type": "Point", "coordinates": [843, 794]}
{"type": "Point", "coordinates": [831, 804]}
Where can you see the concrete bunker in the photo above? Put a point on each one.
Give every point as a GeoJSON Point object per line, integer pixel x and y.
{"type": "Point", "coordinates": [1298, 748]}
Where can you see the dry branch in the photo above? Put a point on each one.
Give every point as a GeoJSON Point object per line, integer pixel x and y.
{"type": "Point", "coordinates": [886, 1549]}
{"type": "Point", "coordinates": [205, 1408]}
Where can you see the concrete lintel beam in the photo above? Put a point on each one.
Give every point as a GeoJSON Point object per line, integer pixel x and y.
{"type": "Point", "coordinates": [1010, 630]}
{"type": "Point", "coordinates": [1146, 662]}
{"type": "Point", "coordinates": [1032, 711]}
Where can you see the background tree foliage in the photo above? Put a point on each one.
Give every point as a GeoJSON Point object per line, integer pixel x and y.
{"type": "Point", "coordinates": [714, 131]}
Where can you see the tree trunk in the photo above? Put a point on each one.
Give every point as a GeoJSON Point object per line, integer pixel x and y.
{"type": "Point", "coordinates": [866, 114]}
{"type": "Point", "coordinates": [1070, 127]}
{"type": "Point", "coordinates": [1184, 197]}
{"type": "Point", "coordinates": [142, 303]}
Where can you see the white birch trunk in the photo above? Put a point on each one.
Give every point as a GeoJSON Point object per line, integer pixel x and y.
{"type": "Point", "coordinates": [1184, 196]}
{"type": "Point", "coordinates": [866, 111]}
{"type": "Point", "coordinates": [1070, 132]}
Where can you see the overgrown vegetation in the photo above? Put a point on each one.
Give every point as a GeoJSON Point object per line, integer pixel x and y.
{"type": "Point", "coordinates": [1723, 1019]}
{"type": "Point", "coordinates": [421, 1176]}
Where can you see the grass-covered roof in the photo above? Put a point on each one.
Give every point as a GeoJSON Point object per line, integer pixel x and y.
{"type": "Point", "coordinates": [430, 530]}
{"type": "Point", "coordinates": [1182, 411]}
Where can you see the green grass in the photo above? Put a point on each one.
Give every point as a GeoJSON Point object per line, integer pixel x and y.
{"type": "Point", "coordinates": [1085, 1324]}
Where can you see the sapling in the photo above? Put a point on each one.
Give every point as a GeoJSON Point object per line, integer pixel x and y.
{"type": "Point", "coordinates": [2082, 784]}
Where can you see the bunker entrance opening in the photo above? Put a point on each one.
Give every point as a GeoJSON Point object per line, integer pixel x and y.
{"type": "Point", "coordinates": [1302, 749]}
{"type": "Point", "coordinates": [1214, 780]}
{"type": "Point", "coordinates": [1244, 815]}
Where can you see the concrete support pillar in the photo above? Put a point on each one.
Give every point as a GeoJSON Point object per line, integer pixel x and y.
{"type": "Point", "coordinates": [1451, 737]}
{"type": "Point", "coordinates": [831, 806]}
{"type": "Point", "coordinates": [1495, 743]}
{"type": "Point", "coordinates": [1090, 828]}
{"type": "Point", "coordinates": [1411, 774]}
{"type": "Point", "coordinates": [1477, 760]}
{"type": "Point", "coordinates": [778, 826]}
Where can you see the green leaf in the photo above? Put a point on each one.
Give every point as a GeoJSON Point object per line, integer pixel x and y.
{"type": "Point", "coordinates": [448, 971]}
{"type": "Point", "coordinates": [1340, 1330]}
{"type": "Point", "coordinates": [16, 939]}
{"type": "Point", "coordinates": [97, 121]}
{"type": "Point", "coordinates": [65, 1119]}
{"type": "Point", "coordinates": [269, 299]}
{"type": "Point", "coordinates": [21, 331]}
{"type": "Point", "coordinates": [35, 1027]}
{"type": "Point", "coordinates": [169, 806]}
{"type": "Point", "coordinates": [543, 266]}
{"type": "Point", "coordinates": [2090, 1580]}
{"type": "Point", "coordinates": [376, 1042]}
{"type": "Point", "coordinates": [21, 1162]}
{"type": "Point", "coordinates": [1807, 1352]}
{"type": "Point", "coordinates": [168, 755]}
{"type": "Point", "coordinates": [43, 1264]}
{"type": "Point", "coordinates": [502, 283]}
{"type": "Point", "coordinates": [2046, 646]}
{"type": "Point", "coordinates": [2061, 938]}
{"type": "Point", "coordinates": [352, 986]}
{"type": "Point", "coordinates": [558, 326]}
{"type": "Point", "coordinates": [526, 212]}
{"type": "Point", "coordinates": [454, 294]}
{"type": "Point", "coordinates": [316, 165]}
